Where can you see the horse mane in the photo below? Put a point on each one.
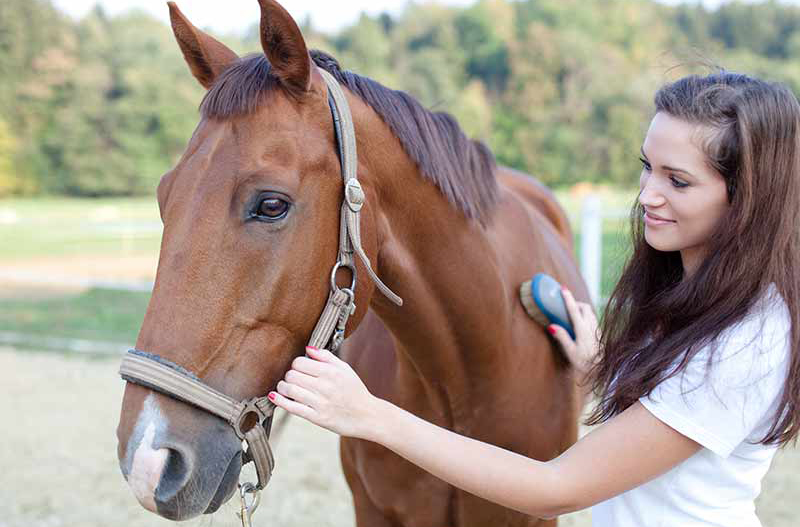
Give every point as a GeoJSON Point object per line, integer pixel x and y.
{"type": "Point", "coordinates": [461, 168]}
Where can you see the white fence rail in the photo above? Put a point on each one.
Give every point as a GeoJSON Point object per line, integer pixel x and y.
{"type": "Point", "coordinates": [592, 245]}
{"type": "Point", "coordinates": [592, 214]}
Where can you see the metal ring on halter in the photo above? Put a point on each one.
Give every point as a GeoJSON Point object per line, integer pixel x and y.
{"type": "Point", "coordinates": [336, 267]}
{"type": "Point", "coordinates": [250, 407]}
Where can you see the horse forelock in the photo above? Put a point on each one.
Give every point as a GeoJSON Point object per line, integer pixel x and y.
{"type": "Point", "coordinates": [461, 168]}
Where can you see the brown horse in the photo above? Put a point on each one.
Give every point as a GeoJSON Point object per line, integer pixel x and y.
{"type": "Point", "coordinates": [251, 226]}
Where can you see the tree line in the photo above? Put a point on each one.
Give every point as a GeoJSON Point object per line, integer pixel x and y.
{"type": "Point", "coordinates": [561, 89]}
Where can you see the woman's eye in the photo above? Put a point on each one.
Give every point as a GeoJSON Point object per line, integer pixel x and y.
{"type": "Point", "coordinates": [645, 164]}
{"type": "Point", "coordinates": [677, 183]}
{"type": "Point", "coordinates": [272, 208]}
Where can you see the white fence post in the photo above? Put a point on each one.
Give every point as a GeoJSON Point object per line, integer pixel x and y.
{"type": "Point", "coordinates": [591, 245]}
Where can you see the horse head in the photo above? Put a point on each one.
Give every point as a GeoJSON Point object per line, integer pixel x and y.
{"type": "Point", "coordinates": [251, 216]}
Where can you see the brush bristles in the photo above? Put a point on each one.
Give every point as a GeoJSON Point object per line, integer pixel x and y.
{"type": "Point", "coordinates": [529, 304]}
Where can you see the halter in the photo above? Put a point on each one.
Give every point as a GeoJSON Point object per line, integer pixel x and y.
{"type": "Point", "coordinates": [153, 372]}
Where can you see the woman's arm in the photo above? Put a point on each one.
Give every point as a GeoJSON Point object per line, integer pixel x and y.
{"type": "Point", "coordinates": [621, 454]}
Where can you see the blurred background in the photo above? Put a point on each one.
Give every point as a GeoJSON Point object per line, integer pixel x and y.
{"type": "Point", "coordinates": [96, 103]}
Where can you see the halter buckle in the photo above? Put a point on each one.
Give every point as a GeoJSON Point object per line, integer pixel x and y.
{"type": "Point", "coordinates": [354, 195]}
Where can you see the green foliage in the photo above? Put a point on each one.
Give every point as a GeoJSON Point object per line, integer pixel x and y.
{"type": "Point", "coordinates": [480, 38]}
{"type": "Point", "coordinates": [27, 29]}
{"type": "Point", "coordinates": [366, 47]}
{"type": "Point", "coordinates": [115, 123]}
{"type": "Point", "coordinates": [559, 88]}
{"type": "Point", "coordinates": [8, 178]}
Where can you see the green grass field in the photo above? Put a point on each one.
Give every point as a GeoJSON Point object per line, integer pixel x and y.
{"type": "Point", "coordinates": [57, 227]}
{"type": "Point", "coordinates": [95, 314]}
{"type": "Point", "coordinates": [54, 230]}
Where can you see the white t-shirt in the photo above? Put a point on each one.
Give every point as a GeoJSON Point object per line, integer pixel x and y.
{"type": "Point", "coordinates": [724, 413]}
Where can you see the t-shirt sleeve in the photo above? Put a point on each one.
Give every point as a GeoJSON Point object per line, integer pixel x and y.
{"type": "Point", "coordinates": [722, 406]}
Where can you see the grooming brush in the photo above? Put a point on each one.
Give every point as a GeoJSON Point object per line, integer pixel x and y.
{"type": "Point", "coordinates": [542, 299]}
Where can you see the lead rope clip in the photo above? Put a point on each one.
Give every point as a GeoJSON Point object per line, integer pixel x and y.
{"type": "Point", "coordinates": [248, 506]}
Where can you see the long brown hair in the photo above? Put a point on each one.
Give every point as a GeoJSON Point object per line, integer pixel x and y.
{"type": "Point", "coordinates": [756, 148]}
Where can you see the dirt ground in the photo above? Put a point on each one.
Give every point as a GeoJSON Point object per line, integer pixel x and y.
{"type": "Point", "coordinates": [59, 467]}
{"type": "Point", "coordinates": [70, 268]}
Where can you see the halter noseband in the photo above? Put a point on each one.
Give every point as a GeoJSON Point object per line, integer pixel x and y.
{"type": "Point", "coordinates": [153, 372]}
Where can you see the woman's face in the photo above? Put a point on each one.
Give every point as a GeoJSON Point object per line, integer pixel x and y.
{"type": "Point", "coordinates": [683, 197]}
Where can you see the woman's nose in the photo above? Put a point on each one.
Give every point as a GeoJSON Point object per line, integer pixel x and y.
{"type": "Point", "coordinates": [650, 194]}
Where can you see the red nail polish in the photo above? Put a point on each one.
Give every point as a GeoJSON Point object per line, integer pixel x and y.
{"type": "Point", "coordinates": [312, 348]}
{"type": "Point", "coordinates": [551, 329]}
{"type": "Point", "coordinates": [271, 396]}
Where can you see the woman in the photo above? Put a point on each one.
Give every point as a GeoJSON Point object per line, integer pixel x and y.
{"type": "Point", "coordinates": [697, 369]}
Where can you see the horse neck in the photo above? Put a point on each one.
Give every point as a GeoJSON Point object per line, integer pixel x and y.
{"type": "Point", "coordinates": [444, 266]}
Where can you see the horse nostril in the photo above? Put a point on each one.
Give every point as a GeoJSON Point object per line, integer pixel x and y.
{"type": "Point", "coordinates": [174, 477]}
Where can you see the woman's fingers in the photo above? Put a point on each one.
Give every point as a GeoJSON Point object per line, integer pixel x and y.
{"type": "Point", "coordinates": [314, 374]}
{"type": "Point", "coordinates": [586, 309]}
{"type": "Point", "coordinates": [322, 355]}
{"type": "Point", "coordinates": [577, 310]}
{"type": "Point", "coordinates": [582, 350]}
{"type": "Point", "coordinates": [572, 306]}
{"type": "Point", "coordinates": [303, 380]}
{"type": "Point", "coordinates": [293, 407]}
{"type": "Point", "coordinates": [298, 394]}
{"type": "Point", "coordinates": [309, 366]}
{"type": "Point", "coordinates": [327, 392]}
{"type": "Point", "coordinates": [563, 338]}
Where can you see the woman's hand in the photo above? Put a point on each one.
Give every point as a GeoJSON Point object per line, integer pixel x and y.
{"type": "Point", "coordinates": [325, 390]}
{"type": "Point", "coordinates": [582, 351]}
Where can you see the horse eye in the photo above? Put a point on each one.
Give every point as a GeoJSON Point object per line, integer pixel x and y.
{"type": "Point", "coordinates": [272, 208]}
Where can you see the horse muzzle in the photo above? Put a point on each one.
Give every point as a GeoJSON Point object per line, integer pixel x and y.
{"type": "Point", "coordinates": [180, 472]}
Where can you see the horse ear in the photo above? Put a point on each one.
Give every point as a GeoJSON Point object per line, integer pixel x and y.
{"type": "Point", "coordinates": [285, 47]}
{"type": "Point", "coordinates": [207, 57]}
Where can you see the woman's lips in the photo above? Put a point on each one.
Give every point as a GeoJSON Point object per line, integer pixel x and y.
{"type": "Point", "coordinates": [654, 220]}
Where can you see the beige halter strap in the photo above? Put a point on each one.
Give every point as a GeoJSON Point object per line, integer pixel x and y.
{"type": "Point", "coordinates": [154, 372]}
{"type": "Point", "coordinates": [329, 332]}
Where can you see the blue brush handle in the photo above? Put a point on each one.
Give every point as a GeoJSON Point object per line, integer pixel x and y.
{"type": "Point", "coordinates": [546, 293]}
